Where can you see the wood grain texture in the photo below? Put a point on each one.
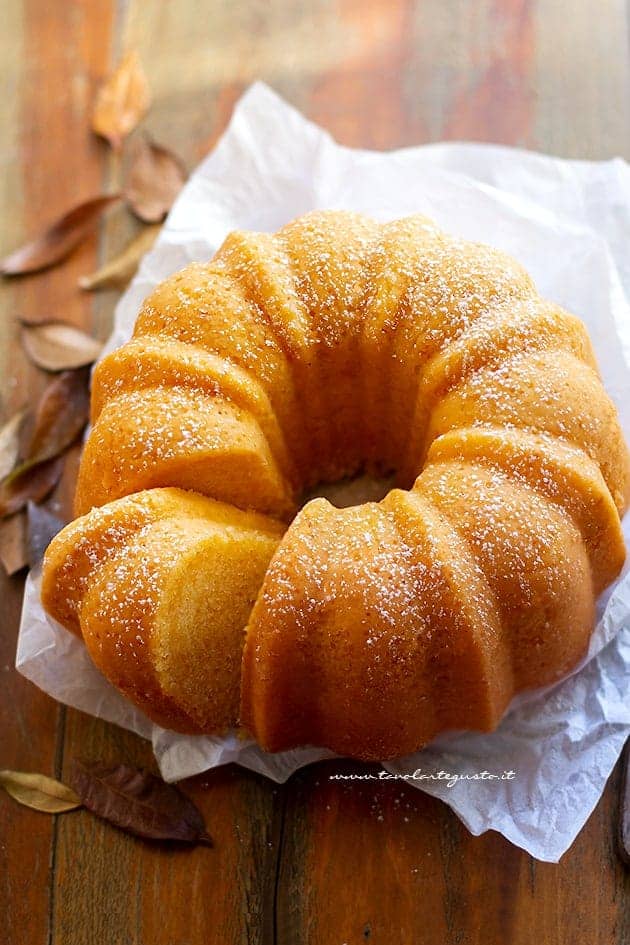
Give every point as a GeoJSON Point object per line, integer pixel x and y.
{"type": "Point", "coordinates": [113, 888]}
{"type": "Point", "coordinates": [315, 860]}
{"type": "Point", "coordinates": [380, 862]}
{"type": "Point", "coordinates": [53, 55]}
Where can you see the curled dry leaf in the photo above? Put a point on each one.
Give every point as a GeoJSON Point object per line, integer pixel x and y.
{"type": "Point", "coordinates": [41, 528]}
{"type": "Point", "coordinates": [121, 101]}
{"type": "Point", "coordinates": [29, 482]}
{"type": "Point", "coordinates": [156, 177]}
{"type": "Point", "coordinates": [138, 802]}
{"type": "Point", "coordinates": [10, 443]}
{"type": "Point", "coordinates": [39, 792]}
{"type": "Point", "coordinates": [35, 318]}
{"type": "Point", "coordinates": [55, 346]}
{"type": "Point", "coordinates": [13, 546]}
{"type": "Point", "coordinates": [62, 412]}
{"type": "Point", "coordinates": [118, 271]}
{"type": "Point", "coordinates": [58, 240]}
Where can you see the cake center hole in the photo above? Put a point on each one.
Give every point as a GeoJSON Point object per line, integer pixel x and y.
{"type": "Point", "coordinates": [355, 490]}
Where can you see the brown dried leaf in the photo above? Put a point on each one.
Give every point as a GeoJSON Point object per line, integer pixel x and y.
{"type": "Point", "coordinates": [35, 318]}
{"type": "Point", "coordinates": [10, 443]}
{"type": "Point", "coordinates": [41, 528]}
{"type": "Point", "coordinates": [39, 792]}
{"type": "Point", "coordinates": [61, 414]}
{"type": "Point", "coordinates": [118, 271]}
{"type": "Point", "coordinates": [138, 802]}
{"type": "Point", "coordinates": [56, 346]}
{"type": "Point", "coordinates": [58, 240]}
{"type": "Point", "coordinates": [156, 177]}
{"type": "Point", "coordinates": [30, 481]}
{"type": "Point", "coordinates": [121, 101]}
{"type": "Point", "coordinates": [13, 549]}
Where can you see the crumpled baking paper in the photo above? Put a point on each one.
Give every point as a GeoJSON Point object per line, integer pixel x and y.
{"type": "Point", "coordinates": [568, 222]}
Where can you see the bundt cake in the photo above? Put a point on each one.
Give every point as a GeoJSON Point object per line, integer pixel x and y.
{"type": "Point", "coordinates": [339, 345]}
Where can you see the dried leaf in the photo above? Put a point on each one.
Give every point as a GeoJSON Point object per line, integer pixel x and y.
{"type": "Point", "coordinates": [118, 271]}
{"type": "Point", "coordinates": [55, 346]}
{"type": "Point", "coordinates": [138, 802]}
{"type": "Point", "coordinates": [29, 482]}
{"type": "Point", "coordinates": [58, 240]}
{"type": "Point", "coordinates": [10, 443]}
{"type": "Point", "coordinates": [121, 101]}
{"type": "Point", "coordinates": [156, 177]}
{"type": "Point", "coordinates": [35, 318]}
{"type": "Point", "coordinates": [39, 792]}
{"type": "Point", "coordinates": [61, 414]}
{"type": "Point", "coordinates": [13, 549]}
{"type": "Point", "coordinates": [41, 528]}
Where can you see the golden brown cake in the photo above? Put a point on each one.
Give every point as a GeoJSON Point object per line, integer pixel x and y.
{"type": "Point", "coordinates": [339, 345]}
{"type": "Point", "coordinates": [160, 585]}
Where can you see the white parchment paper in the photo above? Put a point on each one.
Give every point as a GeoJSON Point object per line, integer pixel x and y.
{"type": "Point", "coordinates": [568, 222]}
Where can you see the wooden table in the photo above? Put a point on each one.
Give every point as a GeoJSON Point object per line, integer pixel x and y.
{"type": "Point", "coordinates": [313, 861]}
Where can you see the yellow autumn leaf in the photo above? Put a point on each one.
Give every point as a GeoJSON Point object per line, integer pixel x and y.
{"type": "Point", "coordinates": [39, 791]}
{"type": "Point", "coordinates": [118, 271]}
{"type": "Point", "coordinates": [122, 101]}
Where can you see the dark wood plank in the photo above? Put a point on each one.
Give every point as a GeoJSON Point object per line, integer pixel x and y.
{"type": "Point", "coordinates": [54, 53]}
{"type": "Point", "coordinates": [28, 733]}
{"type": "Point", "coordinates": [380, 861]}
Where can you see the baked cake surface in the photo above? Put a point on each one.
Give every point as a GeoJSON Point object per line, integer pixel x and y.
{"type": "Point", "coordinates": [335, 346]}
